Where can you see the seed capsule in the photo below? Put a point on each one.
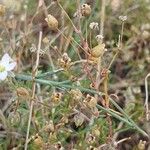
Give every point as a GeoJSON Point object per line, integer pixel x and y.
{"type": "Point", "coordinates": [2, 10]}
{"type": "Point", "coordinates": [90, 101]}
{"type": "Point", "coordinates": [38, 141]}
{"type": "Point", "coordinates": [98, 50]}
{"type": "Point", "coordinates": [52, 22]}
{"type": "Point", "coordinates": [85, 10]}
{"type": "Point", "coordinates": [78, 119]}
{"type": "Point", "coordinates": [22, 92]}
{"type": "Point", "coordinates": [56, 97]}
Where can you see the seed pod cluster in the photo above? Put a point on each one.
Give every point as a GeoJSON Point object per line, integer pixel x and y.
{"type": "Point", "coordinates": [90, 101]}
{"type": "Point", "coordinates": [76, 94]}
{"type": "Point", "coordinates": [65, 61]}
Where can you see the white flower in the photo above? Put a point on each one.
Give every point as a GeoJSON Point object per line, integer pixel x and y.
{"type": "Point", "coordinates": [6, 65]}
{"type": "Point", "coordinates": [94, 26]}
{"type": "Point", "coordinates": [123, 18]}
{"type": "Point", "coordinates": [99, 38]}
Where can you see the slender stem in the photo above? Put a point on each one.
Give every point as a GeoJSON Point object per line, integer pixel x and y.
{"type": "Point", "coordinates": [114, 115]}
{"type": "Point", "coordinates": [67, 16]}
{"type": "Point", "coordinates": [146, 99]}
{"type": "Point", "coordinates": [79, 9]}
{"type": "Point", "coordinates": [102, 14]}
{"type": "Point", "coordinates": [49, 73]}
{"type": "Point", "coordinates": [102, 19]}
{"type": "Point", "coordinates": [34, 72]}
{"type": "Point", "coordinates": [107, 104]}
{"type": "Point", "coordinates": [76, 30]}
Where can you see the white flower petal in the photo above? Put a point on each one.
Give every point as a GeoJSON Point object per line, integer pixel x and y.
{"type": "Point", "coordinates": [3, 75]}
{"type": "Point", "coordinates": [6, 58]}
{"type": "Point", "coordinates": [10, 66]}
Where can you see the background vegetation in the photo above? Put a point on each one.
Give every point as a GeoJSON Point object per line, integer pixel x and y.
{"type": "Point", "coordinates": [75, 86]}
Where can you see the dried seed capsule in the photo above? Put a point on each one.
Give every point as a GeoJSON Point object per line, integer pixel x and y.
{"type": "Point", "coordinates": [65, 61]}
{"type": "Point", "coordinates": [49, 127]}
{"type": "Point", "coordinates": [52, 22]}
{"type": "Point", "coordinates": [38, 141]}
{"type": "Point", "coordinates": [56, 97]}
{"type": "Point", "coordinates": [2, 10]}
{"type": "Point", "coordinates": [58, 146]}
{"type": "Point", "coordinates": [141, 145]}
{"type": "Point", "coordinates": [76, 94]}
{"type": "Point", "coordinates": [90, 139]}
{"type": "Point", "coordinates": [98, 50]}
{"type": "Point", "coordinates": [78, 119]}
{"type": "Point", "coordinates": [45, 40]}
{"type": "Point", "coordinates": [90, 101]}
{"type": "Point", "coordinates": [22, 92]}
{"type": "Point", "coordinates": [85, 10]}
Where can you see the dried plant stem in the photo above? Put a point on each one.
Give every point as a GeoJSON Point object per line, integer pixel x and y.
{"type": "Point", "coordinates": [122, 140]}
{"type": "Point", "coordinates": [106, 91]}
{"type": "Point", "coordinates": [146, 99]}
{"type": "Point", "coordinates": [107, 104]}
{"type": "Point", "coordinates": [102, 14]}
{"type": "Point", "coordinates": [67, 16]}
{"type": "Point", "coordinates": [79, 9]}
{"type": "Point", "coordinates": [75, 29]}
{"type": "Point", "coordinates": [72, 39]}
{"type": "Point", "coordinates": [119, 46]}
{"type": "Point", "coordinates": [2, 119]}
{"type": "Point", "coordinates": [102, 19]}
{"type": "Point", "coordinates": [61, 37]}
{"type": "Point", "coordinates": [122, 28]}
{"type": "Point", "coordinates": [34, 72]}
